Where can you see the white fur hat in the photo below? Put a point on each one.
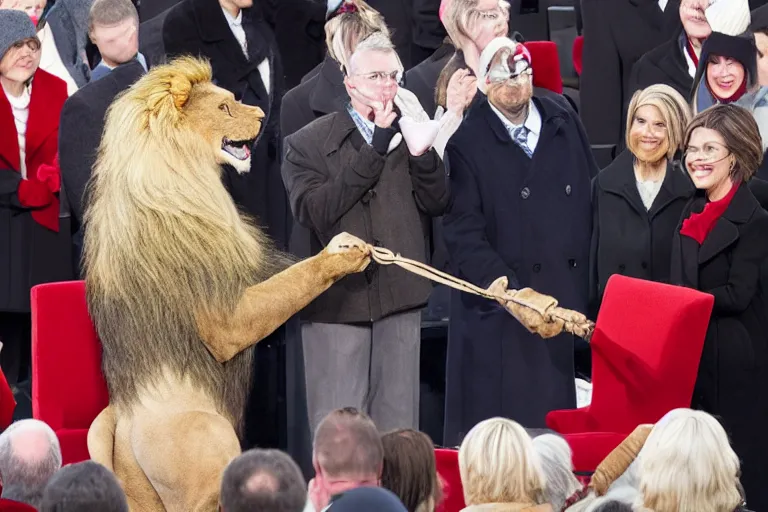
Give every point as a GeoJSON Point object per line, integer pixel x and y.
{"type": "Point", "coordinates": [730, 17]}
{"type": "Point", "coordinates": [487, 55]}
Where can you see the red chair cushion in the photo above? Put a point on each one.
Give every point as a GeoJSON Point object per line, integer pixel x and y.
{"type": "Point", "coordinates": [578, 50]}
{"type": "Point", "coordinates": [7, 402]}
{"type": "Point", "coordinates": [14, 506]}
{"type": "Point", "coordinates": [448, 468]}
{"type": "Point", "coordinates": [74, 445]}
{"type": "Point", "coordinates": [589, 449]}
{"type": "Point", "coordinates": [545, 64]}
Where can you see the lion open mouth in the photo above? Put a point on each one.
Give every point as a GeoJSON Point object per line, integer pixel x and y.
{"type": "Point", "coordinates": [239, 149]}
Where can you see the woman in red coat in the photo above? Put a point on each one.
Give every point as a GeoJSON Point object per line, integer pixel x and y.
{"type": "Point", "coordinates": [34, 248]}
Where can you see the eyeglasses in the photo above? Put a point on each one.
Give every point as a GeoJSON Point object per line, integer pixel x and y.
{"type": "Point", "coordinates": [32, 43]}
{"type": "Point", "coordinates": [709, 153]}
{"type": "Point", "coordinates": [381, 77]}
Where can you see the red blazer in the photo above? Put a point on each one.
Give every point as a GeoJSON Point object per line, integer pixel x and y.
{"type": "Point", "coordinates": [42, 145]}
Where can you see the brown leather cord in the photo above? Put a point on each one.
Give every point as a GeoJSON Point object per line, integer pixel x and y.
{"type": "Point", "coordinates": [384, 256]}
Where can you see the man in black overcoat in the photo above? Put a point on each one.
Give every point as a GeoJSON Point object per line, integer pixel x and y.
{"type": "Point", "coordinates": [617, 34]}
{"type": "Point", "coordinates": [235, 36]}
{"type": "Point", "coordinates": [520, 168]}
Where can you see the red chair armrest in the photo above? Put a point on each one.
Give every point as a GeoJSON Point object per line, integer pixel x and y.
{"type": "Point", "coordinates": [590, 448]}
{"type": "Point", "coordinates": [571, 421]}
{"type": "Point", "coordinates": [7, 403]}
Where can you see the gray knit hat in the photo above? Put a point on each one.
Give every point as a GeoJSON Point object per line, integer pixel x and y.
{"type": "Point", "coordinates": [15, 26]}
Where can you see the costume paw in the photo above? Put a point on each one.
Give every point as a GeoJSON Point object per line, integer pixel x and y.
{"type": "Point", "coordinates": [355, 252]}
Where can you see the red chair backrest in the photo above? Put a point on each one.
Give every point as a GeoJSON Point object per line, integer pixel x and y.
{"type": "Point", "coordinates": [645, 351]}
{"type": "Point", "coordinates": [545, 64]}
{"type": "Point", "coordinates": [448, 468]}
{"type": "Point", "coordinates": [68, 389]}
{"type": "Point", "coordinates": [7, 403]}
{"type": "Point", "coordinates": [578, 51]}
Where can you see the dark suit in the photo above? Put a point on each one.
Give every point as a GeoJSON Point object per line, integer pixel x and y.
{"type": "Point", "coordinates": [617, 34]}
{"type": "Point", "coordinates": [627, 239]}
{"type": "Point", "coordinates": [81, 127]}
{"type": "Point", "coordinates": [732, 383]}
{"type": "Point", "coordinates": [422, 79]}
{"type": "Point", "coordinates": [199, 27]}
{"type": "Point", "coordinates": [529, 220]}
{"type": "Point", "coordinates": [665, 64]}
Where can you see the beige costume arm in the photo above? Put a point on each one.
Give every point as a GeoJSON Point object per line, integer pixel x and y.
{"type": "Point", "coordinates": [619, 460]}
{"type": "Point", "coordinates": [268, 305]}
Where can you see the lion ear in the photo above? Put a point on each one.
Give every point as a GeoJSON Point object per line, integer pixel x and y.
{"type": "Point", "coordinates": [179, 89]}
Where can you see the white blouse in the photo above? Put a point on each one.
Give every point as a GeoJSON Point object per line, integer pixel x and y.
{"type": "Point", "coordinates": [20, 110]}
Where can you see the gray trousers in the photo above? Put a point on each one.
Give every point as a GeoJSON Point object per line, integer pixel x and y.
{"type": "Point", "coordinates": [373, 367]}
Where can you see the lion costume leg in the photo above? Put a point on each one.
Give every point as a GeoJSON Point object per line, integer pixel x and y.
{"type": "Point", "coordinates": [184, 455]}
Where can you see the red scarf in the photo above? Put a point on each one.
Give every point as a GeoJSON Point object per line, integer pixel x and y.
{"type": "Point", "coordinates": [699, 225]}
{"type": "Point", "coordinates": [734, 97]}
{"type": "Point", "coordinates": [691, 52]}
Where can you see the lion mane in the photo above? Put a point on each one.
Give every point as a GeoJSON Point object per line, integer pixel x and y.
{"type": "Point", "coordinates": [164, 241]}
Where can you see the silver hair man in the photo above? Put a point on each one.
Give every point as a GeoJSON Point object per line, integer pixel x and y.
{"type": "Point", "coordinates": [29, 456]}
{"type": "Point", "coordinates": [555, 457]}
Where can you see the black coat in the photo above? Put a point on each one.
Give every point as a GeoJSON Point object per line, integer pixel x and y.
{"type": "Point", "coordinates": [338, 183]}
{"type": "Point", "coordinates": [732, 383]}
{"type": "Point", "coordinates": [626, 238]}
{"type": "Point", "coordinates": [428, 30]}
{"type": "Point", "coordinates": [300, 33]}
{"type": "Point", "coordinates": [80, 129]}
{"type": "Point", "coordinates": [422, 79]}
{"type": "Point", "coordinates": [529, 220]}
{"type": "Point", "coordinates": [665, 64]}
{"type": "Point", "coordinates": [198, 27]}
{"type": "Point", "coordinates": [617, 34]}
{"type": "Point", "coordinates": [151, 8]}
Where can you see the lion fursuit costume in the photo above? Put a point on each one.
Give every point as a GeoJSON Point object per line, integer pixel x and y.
{"type": "Point", "coordinates": [181, 287]}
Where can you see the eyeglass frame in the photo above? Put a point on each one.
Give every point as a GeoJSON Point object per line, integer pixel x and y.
{"type": "Point", "coordinates": [380, 77]}
{"type": "Point", "coordinates": [728, 153]}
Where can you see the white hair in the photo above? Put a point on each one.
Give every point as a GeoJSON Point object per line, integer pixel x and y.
{"type": "Point", "coordinates": [688, 465]}
{"type": "Point", "coordinates": [25, 471]}
{"type": "Point", "coordinates": [556, 456]}
{"type": "Point", "coordinates": [498, 464]}
{"type": "Point", "coordinates": [376, 42]}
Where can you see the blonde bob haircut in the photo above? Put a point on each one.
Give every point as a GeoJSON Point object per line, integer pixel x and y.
{"type": "Point", "coordinates": [461, 14]}
{"type": "Point", "coordinates": [498, 464]}
{"type": "Point", "coordinates": [344, 31]}
{"type": "Point", "coordinates": [688, 465]}
{"type": "Point", "coordinates": [673, 109]}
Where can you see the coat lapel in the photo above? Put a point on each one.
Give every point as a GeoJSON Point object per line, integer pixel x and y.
{"type": "Point", "coordinates": [676, 185]}
{"type": "Point", "coordinates": [327, 96]}
{"type": "Point", "coordinates": [723, 235]}
{"type": "Point", "coordinates": [41, 124]}
{"type": "Point", "coordinates": [9, 146]}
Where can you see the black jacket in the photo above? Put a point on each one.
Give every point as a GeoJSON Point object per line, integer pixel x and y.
{"type": "Point", "coordinates": [665, 64]}
{"type": "Point", "coordinates": [336, 183]}
{"type": "Point", "coordinates": [422, 79]}
{"type": "Point", "coordinates": [626, 238]}
{"type": "Point", "coordinates": [617, 34]}
{"type": "Point", "coordinates": [198, 27]}
{"type": "Point", "coordinates": [732, 383]}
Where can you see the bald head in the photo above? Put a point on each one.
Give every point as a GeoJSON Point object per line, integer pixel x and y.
{"type": "Point", "coordinates": [29, 457]}
{"type": "Point", "coordinates": [266, 480]}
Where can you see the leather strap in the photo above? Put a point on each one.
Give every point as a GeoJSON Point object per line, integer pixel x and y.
{"type": "Point", "coordinates": [384, 256]}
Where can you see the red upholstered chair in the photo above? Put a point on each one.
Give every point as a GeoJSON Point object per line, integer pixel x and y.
{"type": "Point", "coordinates": [578, 50]}
{"type": "Point", "coordinates": [15, 506]}
{"type": "Point", "coordinates": [546, 65]}
{"type": "Point", "coordinates": [7, 403]}
{"type": "Point", "coordinates": [448, 468]}
{"type": "Point", "coordinates": [645, 355]}
{"type": "Point", "coordinates": [68, 390]}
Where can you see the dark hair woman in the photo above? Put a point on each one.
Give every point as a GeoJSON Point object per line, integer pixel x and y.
{"type": "Point", "coordinates": [721, 248]}
{"type": "Point", "coordinates": [638, 199]}
{"type": "Point", "coordinates": [410, 470]}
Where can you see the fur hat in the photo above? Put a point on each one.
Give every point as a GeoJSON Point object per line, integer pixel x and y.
{"type": "Point", "coordinates": [486, 57]}
{"type": "Point", "coordinates": [15, 26]}
{"type": "Point", "coordinates": [729, 17]}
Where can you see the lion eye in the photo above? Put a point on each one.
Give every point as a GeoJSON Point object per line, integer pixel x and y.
{"type": "Point", "coordinates": [225, 108]}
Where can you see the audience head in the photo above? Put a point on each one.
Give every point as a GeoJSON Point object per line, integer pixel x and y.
{"type": "Point", "coordinates": [722, 146]}
{"type": "Point", "coordinates": [688, 465]}
{"type": "Point", "coordinates": [84, 487]}
{"type": "Point", "coordinates": [498, 464]}
{"type": "Point", "coordinates": [410, 470]}
{"type": "Point", "coordinates": [32, 8]}
{"type": "Point", "coordinates": [29, 457]}
{"type": "Point", "coordinates": [727, 70]}
{"type": "Point", "coordinates": [267, 480]}
{"type": "Point", "coordinates": [474, 23]}
{"type": "Point", "coordinates": [350, 23]}
{"type": "Point", "coordinates": [375, 71]}
{"type": "Point", "coordinates": [19, 48]}
{"type": "Point", "coordinates": [761, 44]}
{"type": "Point", "coordinates": [506, 75]}
{"type": "Point", "coordinates": [613, 506]}
{"type": "Point", "coordinates": [113, 26]}
{"type": "Point", "coordinates": [656, 121]}
{"type": "Point", "coordinates": [694, 19]}
{"type": "Point", "coordinates": [233, 7]}
{"type": "Point", "coordinates": [555, 457]}
{"type": "Point", "coordinates": [701, 18]}
{"type": "Point", "coordinates": [347, 451]}
{"type": "Point", "coordinates": [374, 499]}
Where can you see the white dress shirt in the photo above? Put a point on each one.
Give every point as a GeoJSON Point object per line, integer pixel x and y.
{"type": "Point", "coordinates": [663, 4]}
{"type": "Point", "coordinates": [532, 123]}
{"type": "Point", "coordinates": [20, 111]}
{"type": "Point", "coordinates": [236, 26]}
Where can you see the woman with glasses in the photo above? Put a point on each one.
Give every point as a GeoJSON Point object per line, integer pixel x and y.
{"type": "Point", "coordinates": [721, 248]}
{"type": "Point", "coordinates": [638, 199]}
{"type": "Point", "coordinates": [31, 250]}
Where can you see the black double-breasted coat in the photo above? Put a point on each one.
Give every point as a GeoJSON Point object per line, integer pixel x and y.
{"type": "Point", "coordinates": [529, 220]}
{"type": "Point", "coordinates": [627, 239]}
{"type": "Point", "coordinates": [199, 27]}
{"type": "Point", "coordinates": [732, 382]}
{"type": "Point", "coordinates": [617, 34]}
{"type": "Point", "coordinates": [665, 64]}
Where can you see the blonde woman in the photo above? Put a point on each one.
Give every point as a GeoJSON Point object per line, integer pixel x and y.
{"type": "Point", "coordinates": [638, 199]}
{"type": "Point", "coordinates": [500, 470]}
{"type": "Point", "coordinates": [472, 24]}
{"type": "Point", "coordinates": [688, 465]}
